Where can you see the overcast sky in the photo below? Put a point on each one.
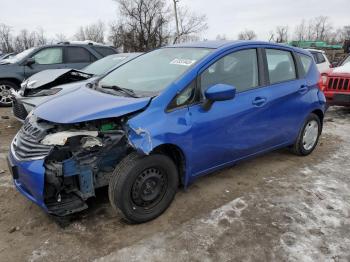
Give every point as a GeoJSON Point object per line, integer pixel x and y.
{"type": "Point", "coordinates": [227, 17]}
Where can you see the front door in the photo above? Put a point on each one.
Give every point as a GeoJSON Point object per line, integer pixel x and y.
{"type": "Point", "coordinates": [236, 128]}
{"type": "Point", "coordinates": [47, 58]}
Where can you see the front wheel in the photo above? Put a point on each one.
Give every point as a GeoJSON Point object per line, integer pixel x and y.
{"type": "Point", "coordinates": [5, 93]}
{"type": "Point", "coordinates": [308, 136]}
{"type": "Point", "coordinates": [142, 187]}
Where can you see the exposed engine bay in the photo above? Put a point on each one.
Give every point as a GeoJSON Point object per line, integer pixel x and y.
{"type": "Point", "coordinates": [78, 158]}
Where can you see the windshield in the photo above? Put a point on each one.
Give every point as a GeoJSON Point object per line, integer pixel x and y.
{"type": "Point", "coordinates": [20, 56]}
{"type": "Point", "coordinates": [105, 64]}
{"type": "Point", "coordinates": [154, 71]}
{"type": "Point", "coordinates": [346, 61]}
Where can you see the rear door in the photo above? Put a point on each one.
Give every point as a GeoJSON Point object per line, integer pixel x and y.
{"type": "Point", "coordinates": [45, 58]}
{"type": "Point", "coordinates": [288, 93]}
{"type": "Point", "coordinates": [77, 57]}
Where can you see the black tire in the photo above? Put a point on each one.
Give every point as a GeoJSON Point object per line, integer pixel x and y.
{"type": "Point", "coordinates": [5, 87]}
{"type": "Point", "coordinates": [131, 185]}
{"type": "Point", "coordinates": [299, 148]}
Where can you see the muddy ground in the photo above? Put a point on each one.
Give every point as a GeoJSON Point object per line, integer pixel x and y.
{"type": "Point", "coordinates": [277, 207]}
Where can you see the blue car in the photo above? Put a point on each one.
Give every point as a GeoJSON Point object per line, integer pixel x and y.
{"type": "Point", "coordinates": [164, 119]}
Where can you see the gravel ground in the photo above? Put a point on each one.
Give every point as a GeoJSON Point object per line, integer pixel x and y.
{"type": "Point", "coordinates": [277, 207]}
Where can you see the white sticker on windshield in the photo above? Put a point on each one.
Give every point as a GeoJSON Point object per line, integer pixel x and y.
{"type": "Point", "coordinates": [183, 62]}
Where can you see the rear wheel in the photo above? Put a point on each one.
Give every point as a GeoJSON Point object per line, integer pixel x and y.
{"type": "Point", "coordinates": [308, 136]}
{"type": "Point", "coordinates": [142, 187]}
{"type": "Point", "coordinates": [5, 93]}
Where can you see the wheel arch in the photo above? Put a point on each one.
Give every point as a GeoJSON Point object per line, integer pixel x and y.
{"type": "Point", "coordinates": [13, 80]}
{"type": "Point", "coordinates": [320, 114]}
{"type": "Point", "coordinates": [176, 154]}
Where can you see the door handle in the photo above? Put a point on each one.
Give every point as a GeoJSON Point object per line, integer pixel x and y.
{"type": "Point", "coordinates": [303, 89]}
{"type": "Point", "coordinates": [259, 101]}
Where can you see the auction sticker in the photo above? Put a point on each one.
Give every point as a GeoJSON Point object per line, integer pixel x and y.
{"type": "Point", "coordinates": [183, 62]}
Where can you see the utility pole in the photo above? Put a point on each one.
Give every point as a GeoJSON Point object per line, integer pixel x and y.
{"type": "Point", "coordinates": [176, 20]}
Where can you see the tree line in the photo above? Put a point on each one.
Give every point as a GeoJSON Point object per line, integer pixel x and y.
{"type": "Point", "coordinates": [142, 25]}
{"type": "Point", "coordinates": [316, 29]}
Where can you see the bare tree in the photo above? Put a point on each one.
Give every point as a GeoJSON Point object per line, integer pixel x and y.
{"type": "Point", "coordinates": [6, 38]}
{"type": "Point", "coordinates": [190, 24]}
{"type": "Point", "coordinates": [271, 36]}
{"type": "Point", "coordinates": [143, 25]}
{"type": "Point", "coordinates": [322, 28]}
{"type": "Point", "coordinates": [40, 37]}
{"type": "Point", "coordinates": [346, 32]}
{"type": "Point", "coordinates": [60, 38]}
{"type": "Point", "coordinates": [247, 35]}
{"type": "Point", "coordinates": [147, 24]}
{"type": "Point", "coordinates": [94, 32]}
{"type": "Point", "coordinates": [281, 34]}
{"type": "Point", "coordinates": [301, 31]}
{"type": "Point", "coordinates": [24, 40]}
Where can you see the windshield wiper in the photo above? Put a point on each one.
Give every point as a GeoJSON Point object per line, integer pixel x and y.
{"type": "Point", "coordinates": [127, 91]}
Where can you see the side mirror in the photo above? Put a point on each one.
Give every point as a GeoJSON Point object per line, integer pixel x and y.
{"type": "Point", "coordinates": [218, 92]}
{"type": "Point", "coordinates": [30, 61]}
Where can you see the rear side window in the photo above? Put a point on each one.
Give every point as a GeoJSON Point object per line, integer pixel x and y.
{"type": "Point", "coordinates": [320, 58]}
{"type": "Point", "coordinates": [78, 55]}
{"type": "Point", "coordinates": [104, 51]}
{"type": "Point", "coordinates": [281, 65]}
{"type": "Point", "coordinates": [306, 62]}
{"type": "Point", "coordinates": [49, 56]}
{"type": "Point", "coordinates": [239, 69]}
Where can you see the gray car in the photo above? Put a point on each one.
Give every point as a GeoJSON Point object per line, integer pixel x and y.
{"type": "Point", "coordinates": [49, 84]}
{"type": "Point", "coordinates": [59, 56]}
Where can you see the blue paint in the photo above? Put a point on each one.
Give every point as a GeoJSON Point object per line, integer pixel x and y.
{"type": "Point", "coordinates": [31, 179]}
{"type": "Point", "coordinates": [87, 104]}
{"type": "Point", "coordinates": [247, 124]}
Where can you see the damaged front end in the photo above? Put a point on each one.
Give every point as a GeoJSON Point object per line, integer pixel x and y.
{"type": "Point", "coordinates": [45, 83]}
{"type": "Point", "coordinates": [77, 158]}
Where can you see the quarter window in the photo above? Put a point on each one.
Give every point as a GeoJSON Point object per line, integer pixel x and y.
{"type": "Point", "coordinates": [104, 51]}
{"type": "Point", "coordinates": [306, 62]}
{"type": "Point", "coordinates": [320, 58]}
{"type": "Point", "coordinates": [49, 56]}
{"type": "Point", "coordinates": [186, 97]}
{"type": "Point", "coordinates": [239, 69]}
{"type": "Point", "coordinates": [281, 65]}
{"type": "Point", "coordinates": [78, 55]}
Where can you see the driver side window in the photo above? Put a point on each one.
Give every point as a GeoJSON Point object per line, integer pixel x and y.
{"type": "Point", "coordinates": [239, 69]}
{"type": "Point", "coordinates": [49, 56]}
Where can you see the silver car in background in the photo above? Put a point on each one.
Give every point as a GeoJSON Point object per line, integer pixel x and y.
{"type": "Point", "coordinates": [49, 84]}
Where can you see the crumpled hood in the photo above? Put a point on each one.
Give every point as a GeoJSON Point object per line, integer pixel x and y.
{"type": "Point", "coordinates": [47, 76]}
{"type": "Point", "coordinates": [86, 104]}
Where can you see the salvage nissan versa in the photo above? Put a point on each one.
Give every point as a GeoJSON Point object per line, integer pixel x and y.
{"type": "Point", "coordinates": [164, 119]}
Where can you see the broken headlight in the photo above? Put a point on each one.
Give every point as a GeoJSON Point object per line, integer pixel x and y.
{"type": "Point", "coordinates": [60, 138]}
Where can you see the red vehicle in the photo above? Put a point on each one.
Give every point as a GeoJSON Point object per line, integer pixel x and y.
{"type": "Point", "coordinates": [336, 84]}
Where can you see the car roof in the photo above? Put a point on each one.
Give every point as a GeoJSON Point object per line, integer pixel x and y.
{"type": "Point", "coordinates": [226, 44]}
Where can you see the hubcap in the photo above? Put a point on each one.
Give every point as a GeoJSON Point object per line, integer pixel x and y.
{"type": "Point", "coordinates": [310, 135]}
{"type": "Point", "coordinates": [149, 188]}
{"type": "Point", "coordinates": [5, 94]}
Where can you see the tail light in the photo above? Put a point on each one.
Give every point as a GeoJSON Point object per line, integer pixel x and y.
{"type": "Point", "coordinates": [322, 83]}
